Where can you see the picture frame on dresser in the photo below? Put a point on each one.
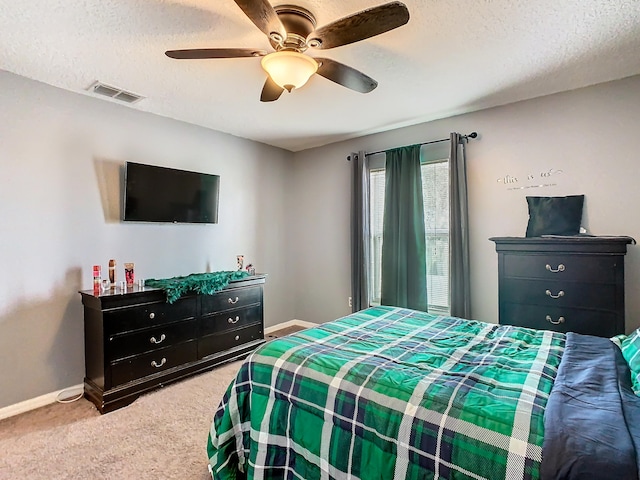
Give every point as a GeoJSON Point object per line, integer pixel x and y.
{"type": "Point", "coordinates": [135, 341]}
{"type": "Point", "coordinates": [563, 283]}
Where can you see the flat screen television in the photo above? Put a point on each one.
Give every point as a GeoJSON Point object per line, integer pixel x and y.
{"type": "Point", "coordinates": [168, 195]}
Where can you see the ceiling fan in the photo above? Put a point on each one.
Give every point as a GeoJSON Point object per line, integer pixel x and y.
{"type": "Point", "coordinates": [291, 31]}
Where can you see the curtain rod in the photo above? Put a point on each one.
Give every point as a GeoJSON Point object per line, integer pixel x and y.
{"type": "Point", "coordinates": [471, 135]}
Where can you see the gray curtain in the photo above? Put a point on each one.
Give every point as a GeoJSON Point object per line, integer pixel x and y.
{"type": "Point", "coordinates": [359, 232]}
{"type": "Point", "coordinates": [404, 267]}
{"type": "Point", "coordinates": [459, 272]}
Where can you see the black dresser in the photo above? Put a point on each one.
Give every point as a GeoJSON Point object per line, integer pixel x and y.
{"type": "Point", "coordinates": [135, 341]}
{"type": "Point", "coordinates": [565, 284]}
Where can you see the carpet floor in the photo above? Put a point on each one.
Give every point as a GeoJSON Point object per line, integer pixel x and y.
{"type": "Point", "coordinates": [162, 435]}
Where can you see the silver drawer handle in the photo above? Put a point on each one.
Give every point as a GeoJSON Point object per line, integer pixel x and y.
{"type": "Point", "coordinates": [555, 322]}
{"type": "Point", "coordinates": [152, 315]}
{"type": "Point", "coordinates": [560, 294]}
{"type": "Point", "coordinates": [163, 337]}
{"type": "Point", "coordinates": [232, 302]}
{"type": "Point", "coordinates": [158, 365]}
{"type": "Point", "coordinates": [237, 337]}
{"type": "Point", "coordinates": [231, 320]}
{"type": "Point", "coordinates": [551, 269]}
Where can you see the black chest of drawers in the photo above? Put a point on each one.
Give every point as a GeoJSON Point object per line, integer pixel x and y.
{"type": "Point", "coordinates": [565, 284]}
{"type": "Point", "coordinates": [135, 341]}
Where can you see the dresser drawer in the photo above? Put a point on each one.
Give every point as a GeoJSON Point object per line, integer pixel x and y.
{"type": "Point", "coordinates": [136, 342]}
{"type": "Point", "coordinates": [139, 366]}
{"type": "Point", "coordinates": [148, 315]}
{"type": "Point", "coordinates": [575, 268]}
{"type": "Point", "coordinates": [231, 298]}
{"type": "Point", "coordinates": [586, 322]}
{"type": "Point", "coordinates": [148, 340]}
{"type": "Point", "coordinates": [230, 320]}
{"type": "Point", "coordinates": [559, 293]}
{"type": "Point", "coordinates": [212, 344]}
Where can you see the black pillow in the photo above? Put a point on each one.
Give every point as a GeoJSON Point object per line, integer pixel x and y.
{"type": "Point", "coordinates": [554, 215]}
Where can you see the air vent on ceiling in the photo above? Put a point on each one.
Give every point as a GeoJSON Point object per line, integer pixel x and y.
{"type": "Point", "coordinates": [100, 88]}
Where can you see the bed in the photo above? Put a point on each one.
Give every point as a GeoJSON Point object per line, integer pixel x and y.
{"type": "Point", "coordinates": [391, 393]}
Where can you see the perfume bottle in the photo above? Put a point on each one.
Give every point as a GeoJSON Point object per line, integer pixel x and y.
{"type": "Point", "coordinates": [112, 272]}
{"type": "Point", "coordinates": [128, 274]}
{"type": "Point", "coordinates": [96, 278]}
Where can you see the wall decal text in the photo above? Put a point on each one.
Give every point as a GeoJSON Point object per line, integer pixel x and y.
{"type": "Point", "coordinates": [530, 180]}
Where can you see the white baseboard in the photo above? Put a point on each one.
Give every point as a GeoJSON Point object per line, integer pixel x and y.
{"type": "Point", "coordinates": [40, 401]}
{"type": "Point", "coordinates": [290, 323]}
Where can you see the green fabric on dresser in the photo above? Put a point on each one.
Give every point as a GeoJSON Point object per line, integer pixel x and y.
{"type": "Point", "coordinates": [203, 283]}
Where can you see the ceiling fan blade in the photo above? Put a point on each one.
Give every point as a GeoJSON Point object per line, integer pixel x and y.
{"type": "Point", "coordinates": [345, 75]}
{"type": "Point", "coordinates": [271, 91]}
{"type": "Point", "coordinates": [199, 53]}
{"type": "Point", "coordinates": [356, 27]}
{"type": "Point", "coordinates": [264, 16]}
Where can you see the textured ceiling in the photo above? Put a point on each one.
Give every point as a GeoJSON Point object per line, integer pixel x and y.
{"type": "Point", "coordinates": [453, 57]}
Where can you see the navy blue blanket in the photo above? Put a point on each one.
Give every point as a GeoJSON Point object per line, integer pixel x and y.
{"type": "Point", "coordinates": [592, 419]}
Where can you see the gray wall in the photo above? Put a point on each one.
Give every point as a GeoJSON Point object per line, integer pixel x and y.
{"type": "Point", "coordinates": [588, 134]}
{"type": "Point", "coordinates": [61, 155]}
{"type": "Point", "coordinates": [60, 160]}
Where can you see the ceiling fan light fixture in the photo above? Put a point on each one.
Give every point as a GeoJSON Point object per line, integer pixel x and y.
{"type": "Point", "coordinates": [289, 69]}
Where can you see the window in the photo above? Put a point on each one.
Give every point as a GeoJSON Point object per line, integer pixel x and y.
{"type": "Point", "coordinates": [435, 193]}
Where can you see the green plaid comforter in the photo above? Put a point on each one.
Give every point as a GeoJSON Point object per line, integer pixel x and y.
{"type": "Point", "coordinates": [389, 393]}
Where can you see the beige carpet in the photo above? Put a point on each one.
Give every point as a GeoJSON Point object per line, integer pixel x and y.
{"type": "Point", "coordinates": [162, 435]}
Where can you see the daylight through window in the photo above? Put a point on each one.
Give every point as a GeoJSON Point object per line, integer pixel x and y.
{"type": "Point", "coordinates": [435, 192]}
